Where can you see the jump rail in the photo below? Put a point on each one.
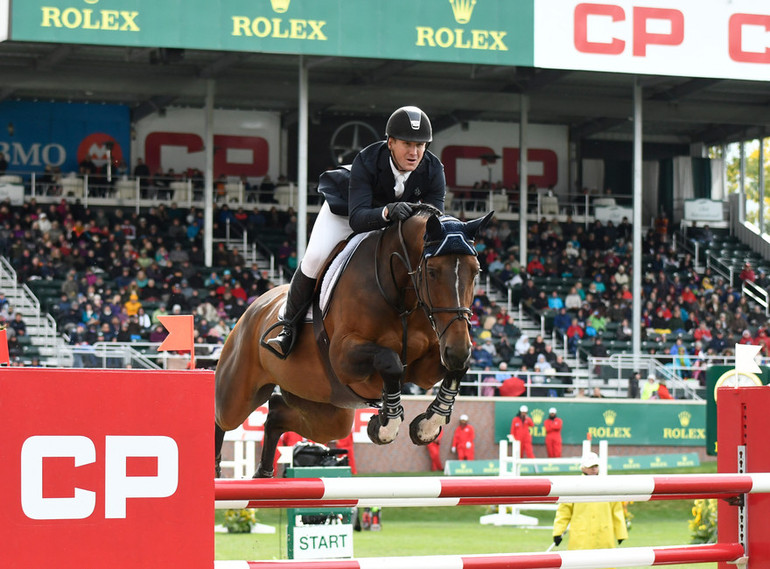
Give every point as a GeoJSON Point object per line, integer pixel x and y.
{"type": "Point", "coordinates": [446, 491]}
{"type": "Point", "coordinates": [595, 558]}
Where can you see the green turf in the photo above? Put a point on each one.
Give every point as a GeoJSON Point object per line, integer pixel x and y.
{"type": "Point", "coordinates": [452, 531]}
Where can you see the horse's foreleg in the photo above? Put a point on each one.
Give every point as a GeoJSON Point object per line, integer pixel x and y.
{"type": "Point", "coordinates": [426, 427]}
{"type": "Point", "coordinates": [219, 438]}
{"type": "Point", "coordinates": [383, 427]}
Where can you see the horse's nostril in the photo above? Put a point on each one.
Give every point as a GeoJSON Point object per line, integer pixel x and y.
{"type": "Point", "coordinates": [455, 358]}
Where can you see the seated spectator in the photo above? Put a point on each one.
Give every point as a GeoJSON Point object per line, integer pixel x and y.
{"type": "Point", "coordinates": [747, 274]}
{"type": "Point", "coordinates": [132, 305]}
{"type": "Point", "coordinates": [624, 331]}
{"type": "Point", "coordinates": [597, 321]}
{"type": "Point", "coordinates": [573, 301]}
{"type": "Point", "coordinates": [481, 358]}
{"type": "Point", "coordinates": [522, 345]}
{"type": "Point", "coordinates": [529, 358]}
{"type": "Point", "coordinates": [575, 333]}
{"type": "Point", "coordinates": [18, 325]}
{"type": "Point", "coordinates": [535, 268]}
{"type": "Point", "coordinates": [504, 349]}
{"type": "Point", "coordinates": [562, 321]}
{"type": "Point", "coordinates": [555, 302]}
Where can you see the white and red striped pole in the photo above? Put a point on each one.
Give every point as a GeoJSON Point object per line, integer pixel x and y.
{"type": "Point", "coordinates": [444, 491]}
{"type": "Point", "coordinates": [594, 558]}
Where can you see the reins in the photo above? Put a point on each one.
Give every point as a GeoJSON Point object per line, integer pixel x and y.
{"type": "Point", "coordinates": [416, 276]}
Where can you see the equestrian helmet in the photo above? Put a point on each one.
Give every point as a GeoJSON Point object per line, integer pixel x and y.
{"type": "Point", "coordinates": [410, 124]}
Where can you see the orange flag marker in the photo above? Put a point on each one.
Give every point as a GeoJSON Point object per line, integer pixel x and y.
{"type": "Point", "coordinates": [180, 335]}
{"type": "Point", "coordinates": [4, 356]}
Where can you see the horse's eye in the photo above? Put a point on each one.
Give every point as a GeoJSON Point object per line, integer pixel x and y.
{"type": "Point", "coordinates": [432, 273]}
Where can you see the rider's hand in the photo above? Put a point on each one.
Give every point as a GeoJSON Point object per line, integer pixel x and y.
{"type": "Point", "coordinates": [620, 541]}
{"type": "Point", "coordinates": [557, 539]}
{"type": "Point", "coordinates": [398, 211]}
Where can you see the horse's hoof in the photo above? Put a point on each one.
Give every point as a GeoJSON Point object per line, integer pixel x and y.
{"type": "Point", "coordinates": [262, 473]}
{"type": "Point", "coordinates": [415, 431]}
{"type": "Point", "coordinates": [373, 430]}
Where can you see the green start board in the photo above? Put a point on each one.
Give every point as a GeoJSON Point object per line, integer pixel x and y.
{"type": "Point", "coordinates": [319, 533]}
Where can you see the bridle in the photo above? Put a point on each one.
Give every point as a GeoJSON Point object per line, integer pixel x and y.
{"type": "Point", "coordinates": [416, 275]}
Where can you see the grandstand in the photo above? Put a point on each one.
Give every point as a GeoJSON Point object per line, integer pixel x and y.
{"type": "Point", "coordinates": [34, 289]}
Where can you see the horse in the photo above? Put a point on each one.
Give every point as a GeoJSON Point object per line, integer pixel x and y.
{"type": "Point", "coordinates": [400, 312]}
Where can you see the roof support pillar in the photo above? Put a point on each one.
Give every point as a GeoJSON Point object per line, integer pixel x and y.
{"type": "Point", "coordinates": [302, 144]}
{"type": "Point", "coordinates": [636, 282]}
{"type": "Point", "coordinates": [523, 126]}
{"type": "Point", "coordinates": [208, 176]}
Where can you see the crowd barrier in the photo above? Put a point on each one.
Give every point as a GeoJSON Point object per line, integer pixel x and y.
{"type": "Point", "coordinates": [120, 464]}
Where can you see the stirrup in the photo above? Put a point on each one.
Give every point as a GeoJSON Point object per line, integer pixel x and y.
{"type": "Point", "coordinates": [266, 343]}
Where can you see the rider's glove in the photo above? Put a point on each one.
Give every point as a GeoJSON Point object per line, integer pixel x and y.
{"type": "Point", "coordinates": [557, 539]}
{"type": "Point", "coordinates": [399, 211]}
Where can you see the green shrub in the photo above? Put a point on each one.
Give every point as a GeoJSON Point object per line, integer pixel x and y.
{"type": "Point", "coordinates": [240, 521]}
{"type": "Point", "coordinates": [703, 525]}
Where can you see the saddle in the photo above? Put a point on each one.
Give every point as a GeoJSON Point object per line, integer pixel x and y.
{"type": "Point", "coordinates": [341, 395]}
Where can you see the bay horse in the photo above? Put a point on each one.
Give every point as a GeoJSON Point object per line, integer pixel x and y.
{"type": "Point", "coordinates": [400, 313]}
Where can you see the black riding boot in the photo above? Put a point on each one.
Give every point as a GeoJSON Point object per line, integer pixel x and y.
{"type": "Point", "coordinates": [297, 302]}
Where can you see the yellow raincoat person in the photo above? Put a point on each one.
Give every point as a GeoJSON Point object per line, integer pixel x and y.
{"type": "Point", "coordinates": [595, 525]}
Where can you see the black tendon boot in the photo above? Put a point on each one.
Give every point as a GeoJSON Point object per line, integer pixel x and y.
{"type": "Point", "coordinates": [297, 302]}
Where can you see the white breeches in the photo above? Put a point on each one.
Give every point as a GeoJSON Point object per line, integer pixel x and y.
{"type": "Point", "coordinates": [329, 229]}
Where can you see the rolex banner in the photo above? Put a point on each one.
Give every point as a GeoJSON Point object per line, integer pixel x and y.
{"type": "Point", "coordinates": [496, 32]}
{"type": "Point", "coordinates": [664, 423]}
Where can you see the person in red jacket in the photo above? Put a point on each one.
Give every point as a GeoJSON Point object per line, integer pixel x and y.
{"type": "Point", "coordinates": [434, 450]}
{"type": "Point", "coordinates": [553, 426]}
{"type": "Point", "coordinates": [462, 442]}
{"type": "Point", "coordinates": [520, 431]}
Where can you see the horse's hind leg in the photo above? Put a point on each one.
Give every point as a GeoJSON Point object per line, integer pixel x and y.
{"type": "Point", "coordinates": [273, 430]}
{"type": "Point", "coordinates": [219, 438]}
{"type": "Point", "coordinates": [426, 427]}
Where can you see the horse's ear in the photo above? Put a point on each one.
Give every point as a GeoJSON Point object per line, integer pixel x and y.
{"type": "Point", "coordinates": [433, 229]}
{"type": "Point", "coordinates": [472, 228]}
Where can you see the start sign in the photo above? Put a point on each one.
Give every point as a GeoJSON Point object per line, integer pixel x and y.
{"type": "Point", "coordinates": [107, 468]}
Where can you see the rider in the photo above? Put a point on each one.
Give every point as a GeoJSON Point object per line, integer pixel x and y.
{"type": "Point", "coordinates": [384, 178]}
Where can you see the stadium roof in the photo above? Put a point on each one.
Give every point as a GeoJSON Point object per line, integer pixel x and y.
{"type": "Point", "coordinates": [592, 104]}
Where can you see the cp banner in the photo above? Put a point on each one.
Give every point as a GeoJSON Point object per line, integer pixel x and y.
{"type": "Point", "coordinates": [107, 468]}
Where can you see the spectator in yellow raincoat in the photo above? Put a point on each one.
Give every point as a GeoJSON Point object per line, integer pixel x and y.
{"type": "Point", "coordinates": [595, 525]}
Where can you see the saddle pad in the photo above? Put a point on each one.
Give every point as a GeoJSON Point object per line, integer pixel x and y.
{"type": "Point", "coordinates": [332, 275]}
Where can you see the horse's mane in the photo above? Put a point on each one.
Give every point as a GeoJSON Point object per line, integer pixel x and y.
{"type": "Point", "coordinates": [424, 209]}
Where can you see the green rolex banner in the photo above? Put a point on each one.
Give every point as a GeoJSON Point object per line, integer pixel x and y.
{"type": "Point", "coordinates": [499, 32]}
{"type": "Point", "coordinates": [725, 376]}
{"type": "Point", "coordinates": [659, 423]}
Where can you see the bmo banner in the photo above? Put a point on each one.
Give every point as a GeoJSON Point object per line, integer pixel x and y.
{"type": "Point", "coordinates": [62, 135]}
{"type": "Point", "coordinates": [106, 468]}
{"type": "Point", "coordinates": [691, 38]}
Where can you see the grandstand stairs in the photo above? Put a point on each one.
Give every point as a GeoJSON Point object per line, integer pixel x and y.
{"type": "Point", "coordinates": [42, 338]}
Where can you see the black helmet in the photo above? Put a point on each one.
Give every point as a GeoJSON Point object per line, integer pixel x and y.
{"type": "Point", "coordinates": [410, 124]}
